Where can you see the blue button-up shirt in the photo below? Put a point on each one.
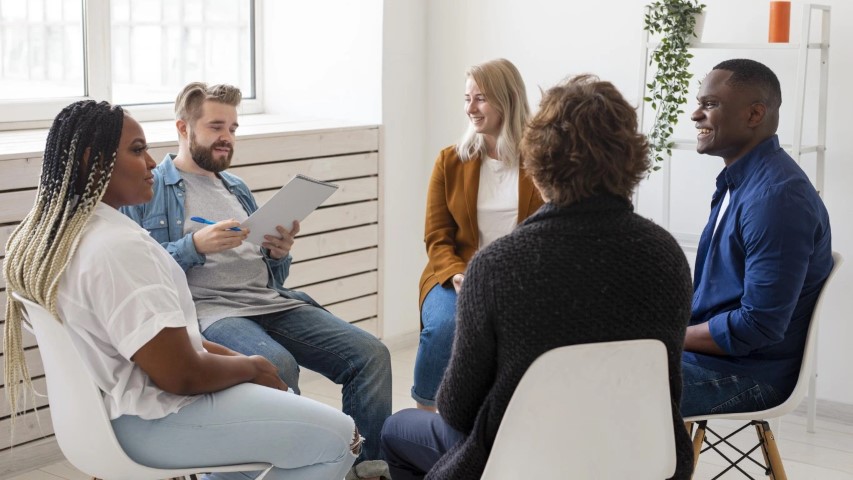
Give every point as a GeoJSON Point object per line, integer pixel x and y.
{"type": "Point", "coordinates": [757, 277]}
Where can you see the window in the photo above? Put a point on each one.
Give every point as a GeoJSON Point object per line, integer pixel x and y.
{"type": "Point", "coordinates": [137, 53]}
{"type": "Point", "coordinates": [41, 46]}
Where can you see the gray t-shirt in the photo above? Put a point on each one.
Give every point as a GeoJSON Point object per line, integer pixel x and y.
{"type": "Point", "coordinates": [232, 283]}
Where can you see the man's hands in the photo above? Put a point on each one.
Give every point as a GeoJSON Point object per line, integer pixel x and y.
{"type": "Point", "coordinates": [698, 339]}
{"type": "Point", "coordinates": [219, 237]}
{"type": "Point", "coordinates": [280, 246]}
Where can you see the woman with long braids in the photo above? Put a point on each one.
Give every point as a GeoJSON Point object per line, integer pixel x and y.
{"type": "Point", "coordinates": [175, 400]}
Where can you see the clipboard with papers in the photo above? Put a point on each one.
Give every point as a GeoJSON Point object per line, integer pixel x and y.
{"type": "Point", "coordinates": [293, 202]}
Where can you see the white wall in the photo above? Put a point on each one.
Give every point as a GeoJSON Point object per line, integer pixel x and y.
{"type": "Point", "coordinates": [323, 59]}
{"type": "Point", "coordinates": [549, 40]}
{"type": "Point", "coordinates": [406, 163]}
{"type": "Point", "coordinates": [338, 59]}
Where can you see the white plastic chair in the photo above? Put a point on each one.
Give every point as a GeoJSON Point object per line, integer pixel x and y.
{"type": "Point", "coordinates": [766, 440]}
{"type": "Point", "coordinates": [80, 421]}
{"type": "Point", "coordinates": [577, 405]}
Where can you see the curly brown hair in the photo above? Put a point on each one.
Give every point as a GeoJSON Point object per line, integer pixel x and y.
{"type": "Point", "coordinates": [583, 142]}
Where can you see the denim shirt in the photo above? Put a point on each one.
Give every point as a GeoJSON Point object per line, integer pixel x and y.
{"type": "Point", "coordinates": [757, 278]}
{"type": "Point", "coordinates": [163, 218]}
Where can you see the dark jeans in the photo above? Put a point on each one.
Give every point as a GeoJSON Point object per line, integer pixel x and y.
{"type": "Point", "coordinates": [708, 392]}
{"type": "Point", "coordinates": [413, 440]}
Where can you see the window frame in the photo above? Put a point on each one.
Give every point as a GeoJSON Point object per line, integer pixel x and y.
{"type": "Point", "coordinates": [97, 81]}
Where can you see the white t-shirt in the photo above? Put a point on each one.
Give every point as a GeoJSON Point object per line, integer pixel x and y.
{"type": "Point", "coordinates": [119, 290]}
{"type": "Point", "coordinates": [497, 200]}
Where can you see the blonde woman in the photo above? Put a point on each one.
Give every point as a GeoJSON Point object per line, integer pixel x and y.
{"type": "Point", "coordinates": [477, 193]}
{"type": "Point", "coordinates": [175, 400]}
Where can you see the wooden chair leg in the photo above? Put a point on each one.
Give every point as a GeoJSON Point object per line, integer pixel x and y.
{"type": "Point", "coordinates": [698, 439]}
{"type": "Point", "coordinates": [770, 451]}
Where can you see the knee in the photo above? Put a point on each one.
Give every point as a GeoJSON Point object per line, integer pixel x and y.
{"type": "Point", "coordinates": [284, 363]}
{"type": "Point", "coordinates": [374, 352]}
{"type": "Point", "coordinates": [388, 435]}
{"type": "Point", "coordinates": [393, 431]}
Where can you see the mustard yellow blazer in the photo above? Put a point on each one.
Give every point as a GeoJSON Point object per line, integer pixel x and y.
{"type": "Point", "coordinates": [450, 232]}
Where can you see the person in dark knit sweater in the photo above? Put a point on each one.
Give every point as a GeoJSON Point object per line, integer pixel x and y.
{"type": "Point", "coordinates": [584, 268]}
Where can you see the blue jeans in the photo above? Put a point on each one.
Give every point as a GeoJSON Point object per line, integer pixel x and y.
{"type": "Point", "coordinates": [413, 440]}
{"type": "Point", "coordinates": [708, 392]}
{"type": "Point", "coordinates": [301, 438]}
{"type": "Point", "coordinates": [316, 339]}
{"type": "Point", "coordinates": [438, 315]}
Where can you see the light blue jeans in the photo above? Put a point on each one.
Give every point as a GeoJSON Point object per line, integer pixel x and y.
{"type": "Point", "coordinates": [316, 339]}
{"type": "Point", "coordinates": [438, 315]}
{"type": "Point", "coordinates": [301, 438]}
{"type": "Point", "coordinates": [707, 392]}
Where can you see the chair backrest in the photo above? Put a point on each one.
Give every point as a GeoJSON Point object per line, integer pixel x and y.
{"type": "Point", "coordinates": [806, 367]}
{"type": "Point", "coordinates": [80, 421]}
{"type": "Point", "coordinates": [810, 351]}
{"type": "Point", "coordinates": [577, 405]}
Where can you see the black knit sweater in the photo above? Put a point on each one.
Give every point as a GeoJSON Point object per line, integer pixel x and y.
{"type": "Point", "coordinates": [590, 272]}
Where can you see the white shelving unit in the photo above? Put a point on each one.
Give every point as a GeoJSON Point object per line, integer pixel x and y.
{"type": "Point", "coordinates": [794, 146]}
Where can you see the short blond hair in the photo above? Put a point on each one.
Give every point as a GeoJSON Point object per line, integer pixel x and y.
{"type": "Point", "coordinates": [189, 101]}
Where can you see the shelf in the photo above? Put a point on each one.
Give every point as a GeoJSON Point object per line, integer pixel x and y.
{"type": "Point", "coordinates": [746, 46]}
{"type": "Point", "coordinates": [802, 51]}
{"type": "Point", "coordinates": [686, 144]}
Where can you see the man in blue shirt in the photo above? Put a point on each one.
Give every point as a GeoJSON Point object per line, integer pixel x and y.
{"type": "Point", "coordinates": [762, 258]}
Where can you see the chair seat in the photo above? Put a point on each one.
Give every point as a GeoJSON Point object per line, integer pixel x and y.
{"type": "Point", "coordinates": [758, 419]}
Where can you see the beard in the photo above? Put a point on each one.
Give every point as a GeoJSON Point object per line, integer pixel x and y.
{"type": "Point", "coordinates": [203, 156]}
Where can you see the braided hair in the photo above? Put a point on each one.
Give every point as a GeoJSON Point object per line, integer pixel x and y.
{"type": "Point", "coordinates": [78, 161]}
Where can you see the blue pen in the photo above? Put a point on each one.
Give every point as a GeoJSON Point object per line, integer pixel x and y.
{"type": "Point", "coordinates": [208, 222]}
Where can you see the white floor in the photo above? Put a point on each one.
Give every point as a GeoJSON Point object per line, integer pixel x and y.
{"type": "Point", "coordinates": [826, 454]}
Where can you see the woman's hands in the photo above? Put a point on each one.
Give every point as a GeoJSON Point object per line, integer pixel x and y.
{"type": "Point", "coordinates": [457, 282]}
{"type": "Point", "coordinates": [172, 363]}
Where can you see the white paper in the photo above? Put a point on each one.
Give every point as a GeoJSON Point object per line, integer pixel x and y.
{"type": "Point", "coordinates": [293, 202]}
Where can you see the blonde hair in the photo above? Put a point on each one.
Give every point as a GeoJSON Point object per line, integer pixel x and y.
{"type": "Point", "coordinates": [78, 161]}
{"type": "Point", "coordinates": [504, 89]}
{"type": "Point", "coordinates": [189, 101]}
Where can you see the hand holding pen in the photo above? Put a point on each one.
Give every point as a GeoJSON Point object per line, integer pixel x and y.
{"type": "Point", "coordinates": [218, 236]}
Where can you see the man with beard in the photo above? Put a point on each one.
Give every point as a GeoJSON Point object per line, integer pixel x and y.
{"type": "Point", "coordinates": [237, 287]}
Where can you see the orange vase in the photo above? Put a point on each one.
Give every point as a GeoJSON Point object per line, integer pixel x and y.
{"type": "Point", "coordinates": [780, 22]}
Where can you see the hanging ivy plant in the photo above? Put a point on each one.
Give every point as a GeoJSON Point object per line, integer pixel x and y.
{"type": "Point", "coordinates": [674, 21]}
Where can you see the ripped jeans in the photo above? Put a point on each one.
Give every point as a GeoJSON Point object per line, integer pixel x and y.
{"type": "Point", "coordinates": [301, 438]}
{"type": "Point", "coordinates": [707, 392]}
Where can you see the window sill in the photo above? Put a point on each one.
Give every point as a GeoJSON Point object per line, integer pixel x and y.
{"type": "Point", "coordinates": [16, 144]}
